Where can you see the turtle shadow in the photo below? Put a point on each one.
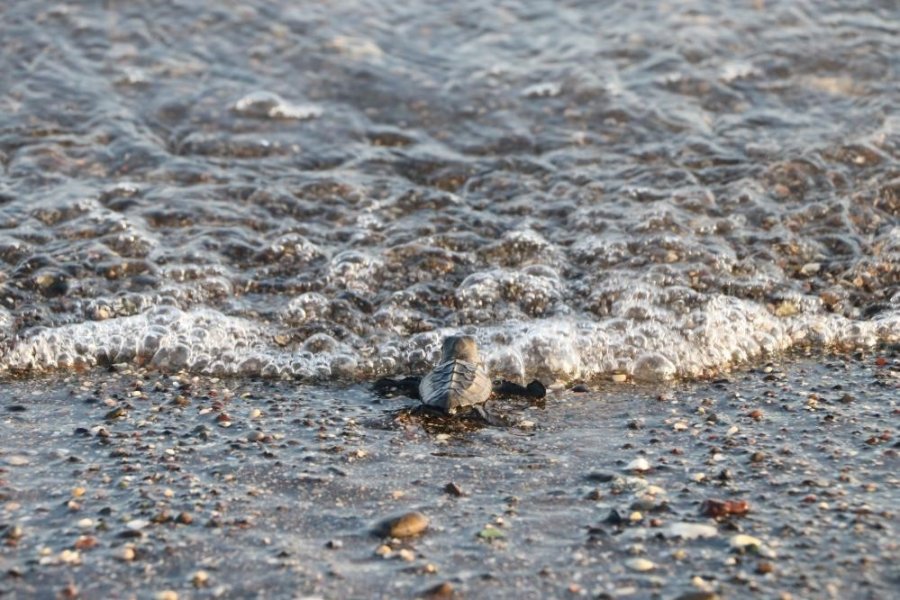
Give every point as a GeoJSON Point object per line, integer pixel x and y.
{"type": "Point", "coordinates": [436, 422]}
{"type": "Point", "coordinates": [496, 412]}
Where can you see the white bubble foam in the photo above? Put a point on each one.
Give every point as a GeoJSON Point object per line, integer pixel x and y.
{"type": "Point", "coordinates": [267, 104]}
{"type": "Point", "coordinates": [715, 336]}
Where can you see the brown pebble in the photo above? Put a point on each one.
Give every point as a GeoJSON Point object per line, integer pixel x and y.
{"type": "Point", "coordinates": [407, 525]}
{"type": "Point", "coordinates": [185, 518]}
{"type": "Point", "coordinates": [595, 494]}
{"type": "Point", "coordinates": [755, 414]}
{"type": "Point", "coordinates": [453, 489]}
{"type": "Point", "coordinates": [723, 508]}
{"type": "Point", "coordinates": [116, 413]}
{"type": "Point", "coordinates": [698, 595]}
{"type": "Point", "coordinates": [441, 590]}
{"type": "Point", "coordinates": [85, 542]}
{"type": "Point", "coordinates": [757, 457]}
{"type": "Point", "coordinates": [765, 567]}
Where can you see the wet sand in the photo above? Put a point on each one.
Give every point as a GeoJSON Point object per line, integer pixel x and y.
{"type": "Point", "coordinates": [126, 483]}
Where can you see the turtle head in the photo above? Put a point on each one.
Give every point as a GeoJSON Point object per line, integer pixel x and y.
{"type": "Point", "coordinates": [460, 347]}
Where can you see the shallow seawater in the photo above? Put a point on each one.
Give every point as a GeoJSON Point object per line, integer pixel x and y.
{"type": "Point", "coordinates": [322, 191]}
{"type": "Point", "coordinates": [128, 483]}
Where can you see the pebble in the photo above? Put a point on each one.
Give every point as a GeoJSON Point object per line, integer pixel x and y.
{"type": "Point", "coordinates": [619, 378]}
{"type": "Point", "coordinates": [691, 531]}
{"type": "Point", "coordinates": [200, 578]}
{"type": "Point", "coordinates": [698, 595]}
{"type": "Point", "coordinates": [116, 413]}
{"type": "Point", "coordinates": [764, 567]}
{"type": "Point", "coordinates": [406, 525]}
{"type": "Point", "coordinates": [640, 564]}
{"type": "Point", "coordinates": [743, 541]}
{"type": "Point", "coordinates": [639, 464]}
{"type": "Point", "coordinates": [453, 489]}
{"type": "Point", "coordinates": [440, 591]}
{"type": "Point", "coordinates": [407, 555]}
{"type": "Point", "coordinates": [14, 533]}
{"type": "Point", "coordinates": [614, 518]}
{"type": "Point", "coordinates": [594, 494]}
{"type": "Point", "coordinates": [136, 524]}
{"type": "Point", "coordinates": [491, 533]}
{"type": "Point", "coordinates": [85, 542]}
{"type": "Point", "coordinates": [17, 460]}
{"type": "Point", "coordinates": [167, 595]}
{"type": "Point", "coordinates": [723, 508]}
{"type": "Point", "coordinates": [810, 268]}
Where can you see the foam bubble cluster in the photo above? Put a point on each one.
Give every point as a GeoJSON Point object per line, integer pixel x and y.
{"type": "Point", "coordinates": [712, 338]}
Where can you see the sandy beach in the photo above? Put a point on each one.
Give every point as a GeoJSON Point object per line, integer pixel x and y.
{"type": "Point", "coordinates": [779, 482]}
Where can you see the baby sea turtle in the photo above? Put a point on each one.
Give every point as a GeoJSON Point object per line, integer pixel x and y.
{"type": "Point", "coordinates": [459, 382]}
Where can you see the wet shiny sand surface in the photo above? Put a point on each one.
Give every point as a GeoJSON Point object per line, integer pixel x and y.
{"type": "Point", "coordinates": [132, 484]}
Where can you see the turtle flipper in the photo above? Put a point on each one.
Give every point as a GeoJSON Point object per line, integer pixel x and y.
{"type": "Point", "coordinates": [534, 390]}
{"type": "Point", "coordinates": [408, 386]}
{"type": "Point", "coordinates": [425, 410]}
{"type": "Point", "coordinates": [481, 414]}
